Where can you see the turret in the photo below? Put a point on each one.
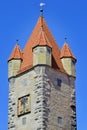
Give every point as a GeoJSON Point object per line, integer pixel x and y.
{"type": "Point", "coordinates": [14, 62]}
{"type": "Point", "coordinates": [68, 60]}
{"type": "Point", "coordinates": [42, 50]}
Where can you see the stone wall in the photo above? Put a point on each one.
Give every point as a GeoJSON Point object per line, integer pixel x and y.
{"type": "Point", "coordinates": [11, 106]}
{"type": "Point", "coordinates": [69, 66]}
{"type": "Point", "coordinates": [13, 67]}
{"type": "Point", "coordinates": [42, 55]}
{"type": "Point", "coordinates": [48, 100]}
{"type": "Point", "coordinates": [60, 100]}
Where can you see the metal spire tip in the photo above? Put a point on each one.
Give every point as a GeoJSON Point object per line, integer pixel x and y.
{"type": "Point", "coordinates": [65, 39]}
{"type": "Point", "coordinates": [41, 9]}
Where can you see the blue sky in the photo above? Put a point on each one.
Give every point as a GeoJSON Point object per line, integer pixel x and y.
{"type": "Point", "coordinates": [65, 19]}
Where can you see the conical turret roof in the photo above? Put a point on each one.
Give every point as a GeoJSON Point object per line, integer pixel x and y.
{"type": "Point", "coordinates": [66, 52]}
{"type": "Point", "coordinates": [42, 40]}
{"type": "Point", "coordinates": [41, 35]}
{"type": "Point", "coordinates": [16, 53]}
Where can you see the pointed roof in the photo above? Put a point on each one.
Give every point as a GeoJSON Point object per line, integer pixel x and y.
{"type": "Point", "coordinates": [66, 52]}
{"type": "Point", "coordinates": [16, 53]}
{"type": "Point", "coordinates": [39, 37]}
{"type": "Point", "coordinates": [42, 40]}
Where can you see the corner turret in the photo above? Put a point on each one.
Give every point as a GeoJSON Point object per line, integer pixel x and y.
{"type": "Point", "coordinates": [14, 62]}
{"type": "Point", "coordinates": [42, 50]}
{"type": "Point", "coordinates": [68, 60]}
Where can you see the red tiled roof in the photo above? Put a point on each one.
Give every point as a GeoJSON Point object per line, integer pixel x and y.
{"type": "Point", "coordinates": [16, 53]}
{"type": "Point", "coordinates": [39, 37]}
{"type": "Point", "coordinates": [66, 52]}
{"type": "Point", "coordinates": [42, 40]}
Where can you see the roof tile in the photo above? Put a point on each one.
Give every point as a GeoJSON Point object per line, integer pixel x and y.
{"type": "Point", "coordinates": [66, 52]}
{"type": "Point", "coordinates": [42, 38]}
{"type": "Point", "coordinates": [16, 54]}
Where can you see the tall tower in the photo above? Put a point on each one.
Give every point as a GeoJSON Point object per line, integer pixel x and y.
{"type": "Point", "coordinates": [42, 84]}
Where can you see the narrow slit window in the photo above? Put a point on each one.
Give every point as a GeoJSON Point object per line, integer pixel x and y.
{"type": "Point", "coordinates": [60, 120]}
{"type": "Point", "coordinates": [59, 82]}
{"type": "Point", "coordinates": [24, 121]}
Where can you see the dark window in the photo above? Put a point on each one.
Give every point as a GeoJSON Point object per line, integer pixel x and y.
{"type": "Point", "coordinates": [49, 50]}
{"type": "Point", "coordinates": [59, 81]}
{"type": "Point", "coordinates": [60, 120]}
{"type": "Point", "coordinates": [41, 50]}
{"type": "Point", "coordinates": [24, 121]}
{"type": "Point", "coordinates": [25, 82]}
{"type": "Point", "coordinates": [73, 62]}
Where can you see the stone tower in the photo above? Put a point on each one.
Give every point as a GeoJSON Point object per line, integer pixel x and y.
{"type": "Point", "coordinates": [41, 84]}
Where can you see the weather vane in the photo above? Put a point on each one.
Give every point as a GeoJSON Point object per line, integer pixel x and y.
{"type": "Point", "coordinates": [41, 9]}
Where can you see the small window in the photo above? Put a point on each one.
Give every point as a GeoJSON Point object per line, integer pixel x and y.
{"type": "Point", "coordinates": [25, 82]}
{"type": "Point", "coordinates": [41, 50]}
{"type": "Point", "coordinates": [24, 121]}
{"type": "Point", "coordinates": [60, 120]}
{"type": "Point", "coordinates": [73, 62]}
{"type": "Point", "coordinates": [59, 81]}
{"type": "Point", "coordinates": [49, 50]}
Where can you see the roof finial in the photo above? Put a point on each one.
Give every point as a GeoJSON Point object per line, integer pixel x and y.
{"type": "Point", "coordinates": [41, 9]}
{"type": "Point", "coordinates": [17, 41]}
{"type": "Point", "coordinates": [65, 39]}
